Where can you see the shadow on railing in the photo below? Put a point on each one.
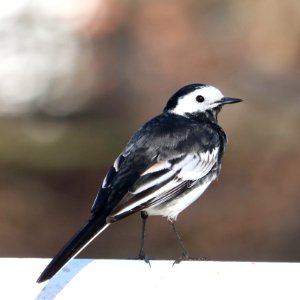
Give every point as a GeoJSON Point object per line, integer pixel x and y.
{"type": "Point", "coordinates": [57, 283]}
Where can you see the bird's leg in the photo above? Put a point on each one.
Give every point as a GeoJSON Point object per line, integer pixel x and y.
{"type": "Point", "coordinates": [142, 255]}
{"type": "Point", "coordinates": [144, 217]}
{"type": "Point", "coordinates": [185, 254]}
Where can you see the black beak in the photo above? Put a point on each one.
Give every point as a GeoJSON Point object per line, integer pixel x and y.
{"type": "Point", "coordinates": [228, 100]}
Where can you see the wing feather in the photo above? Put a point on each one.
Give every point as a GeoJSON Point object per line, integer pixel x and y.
{"type": "Point", "coordinates": [165, 180]}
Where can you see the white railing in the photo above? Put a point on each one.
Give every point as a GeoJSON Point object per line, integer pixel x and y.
{"type": "Point", "coordinates": [131, 279]}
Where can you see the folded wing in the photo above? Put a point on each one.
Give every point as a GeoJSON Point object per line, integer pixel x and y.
{"type": "Point", "coordinates": [164, 180]}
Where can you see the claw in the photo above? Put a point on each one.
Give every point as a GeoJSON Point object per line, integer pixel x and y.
{"type": "Point", "coordinates": [146, 259]}
{"type": "Point", "coordinates": [187, 257]}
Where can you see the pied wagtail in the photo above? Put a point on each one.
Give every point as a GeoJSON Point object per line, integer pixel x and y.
{"type": "Point", "coordinates": [165, 167]}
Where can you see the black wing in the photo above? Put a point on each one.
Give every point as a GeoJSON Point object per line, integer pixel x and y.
{"type": "Point", "coordinates": [165, 180]}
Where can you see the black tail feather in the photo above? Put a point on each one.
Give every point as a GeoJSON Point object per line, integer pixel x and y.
{"type": "Point", "coordinates": [77, 243]}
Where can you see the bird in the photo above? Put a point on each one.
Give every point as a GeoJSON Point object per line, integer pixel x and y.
{"type": "Point", "coordinates": [165, 167]}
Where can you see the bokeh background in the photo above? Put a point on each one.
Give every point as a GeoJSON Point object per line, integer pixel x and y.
{"type": "Point", "coordinates": [77, 78]}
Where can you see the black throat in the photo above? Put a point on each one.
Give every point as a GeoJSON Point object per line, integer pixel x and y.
{"type": "Point", "coordinates": [209, 115]}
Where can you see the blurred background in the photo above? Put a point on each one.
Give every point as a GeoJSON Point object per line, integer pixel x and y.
{"type": "Point", "coordinates": [78, 77]}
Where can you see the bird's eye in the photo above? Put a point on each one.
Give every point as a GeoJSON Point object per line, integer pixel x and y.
{"type": "Point", "coordinates": [199, 98]}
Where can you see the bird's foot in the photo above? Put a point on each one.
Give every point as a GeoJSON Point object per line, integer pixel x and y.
{"type": "Point", "coordinates": [143, 257]}
{"type": "Point", "coordinates": [186, 257]}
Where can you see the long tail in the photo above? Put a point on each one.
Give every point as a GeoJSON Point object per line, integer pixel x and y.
{"type": "Point", "coordinates": [76, 244]}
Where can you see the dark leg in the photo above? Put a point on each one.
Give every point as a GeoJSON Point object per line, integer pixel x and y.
{"type": "Point", "coordinates": [142, 255]}
{"type": "Point", "coordinates": [185, 254]}
{"type": "Point", "coordinates": [144, 217]}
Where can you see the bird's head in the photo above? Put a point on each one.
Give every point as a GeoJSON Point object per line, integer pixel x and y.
{"type": "Point", "coordinates": [197, 98]}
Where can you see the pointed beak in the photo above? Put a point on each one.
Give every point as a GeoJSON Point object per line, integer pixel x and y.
{"type": "Point", "coordinates": [228, 100]}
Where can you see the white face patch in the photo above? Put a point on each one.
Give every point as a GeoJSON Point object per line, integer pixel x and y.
{"type": "Point", "coordinates": [189, 104]}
